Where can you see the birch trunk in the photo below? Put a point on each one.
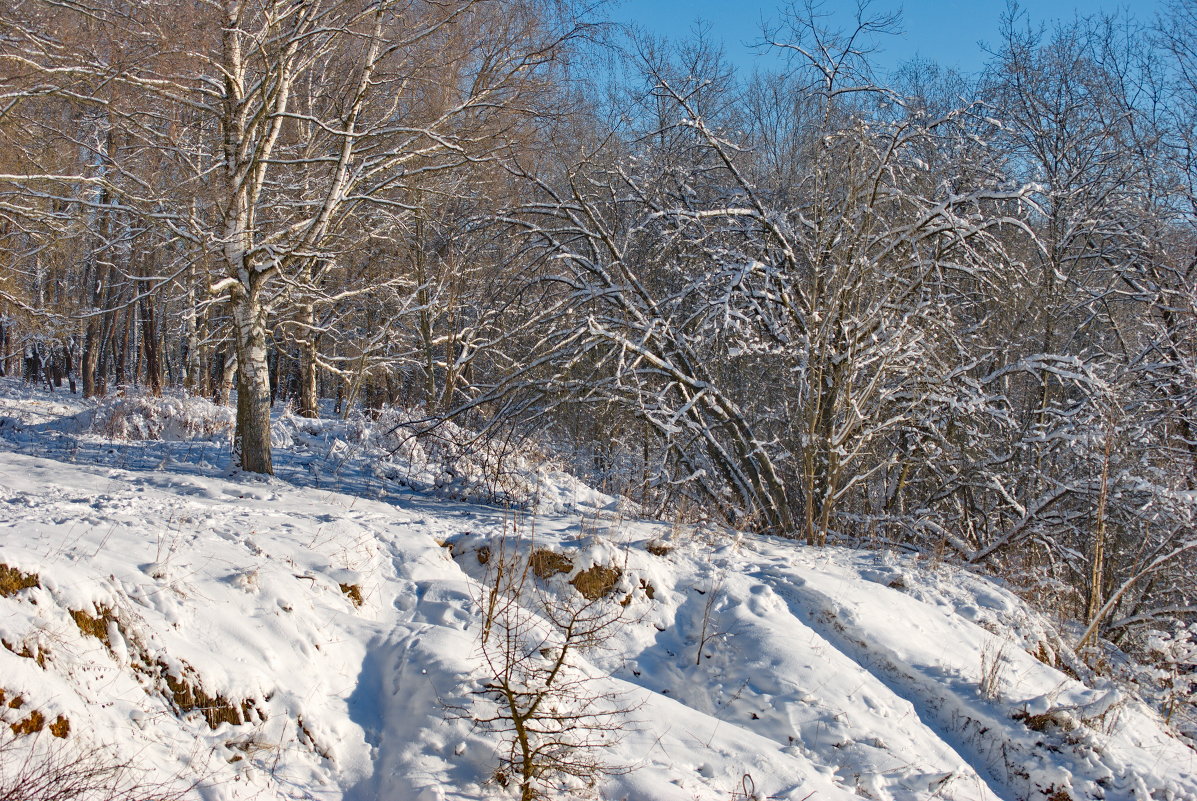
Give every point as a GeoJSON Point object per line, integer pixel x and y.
{"type": "Point", "coordinates": [251, 442]}
{"type": "Point", "coordinates": [308, 385]}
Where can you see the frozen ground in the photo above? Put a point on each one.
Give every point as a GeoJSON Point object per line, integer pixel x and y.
{"type": "Point", "coordinates": [206, 626]}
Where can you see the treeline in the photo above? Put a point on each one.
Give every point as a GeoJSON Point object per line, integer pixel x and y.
{"type": "Point", "coordinates": [945, 312]}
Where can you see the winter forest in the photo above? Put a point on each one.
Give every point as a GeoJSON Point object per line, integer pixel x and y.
{"type": "Point", "coordinates": [940, 313]}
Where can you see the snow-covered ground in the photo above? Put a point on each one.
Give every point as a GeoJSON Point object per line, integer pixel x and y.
{"type": "Point", "coordinates": [317, 635]}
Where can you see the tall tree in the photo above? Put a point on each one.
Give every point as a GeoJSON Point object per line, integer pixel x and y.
{"type": "Point", "coordinates": [269, 138]}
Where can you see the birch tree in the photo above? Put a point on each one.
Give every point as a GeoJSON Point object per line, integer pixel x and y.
{"type": "Point", "coordinates": [262, 135]}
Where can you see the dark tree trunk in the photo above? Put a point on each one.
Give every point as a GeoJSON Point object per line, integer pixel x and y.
{"type": "Point", "coordinates": [33, 365]}
{"type": "Point", "coordinates": [151, 347]}
{"type": "Point", "coordinates": [91, 358]}
{"type": "Point", "coordinates": [120, 348]}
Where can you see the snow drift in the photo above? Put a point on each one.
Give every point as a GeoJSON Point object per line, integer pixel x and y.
{"type": "Point", "coordinates": [316, 636]}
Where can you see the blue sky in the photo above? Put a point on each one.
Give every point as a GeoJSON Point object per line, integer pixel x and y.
{"type": "Point", "coordinates": [941, 30]}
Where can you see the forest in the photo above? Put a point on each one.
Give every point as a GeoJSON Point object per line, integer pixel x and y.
{"type": "Point", "coordinates": [945, 313]}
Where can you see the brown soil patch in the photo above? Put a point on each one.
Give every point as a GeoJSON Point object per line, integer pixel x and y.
{"type": "Point", "coordinates": [597, 581]}
{"type": "Point", "coordinates": [35, 721]}
{"type": "Point", "coordinates": [95, 626]}
{"type": "Point", "coordinates": [307, 737]}
{"type": "Point", "coordinates": [13, 581]}
{"type": "Point", "coordinates": [30, 725]}
{"type": "Point", "coordinates": [189, 696]}
{"type": "Point", "coordinates": [183, 691]}
{"type": "Point", "coordinates": [545, 563]}
{"type": "Point", "coordinates": [648, 589]}
{"type": "Point", "coordinates": [26, 652]}
{"type": "Point", "coordinates": [354, 593]}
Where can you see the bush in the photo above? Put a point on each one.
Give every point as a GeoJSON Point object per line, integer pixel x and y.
{"type": "Point", "coordinates": [552, 717]}
{"type": "Point", "coordinates": [449, 459]}
{"type": "Point", "coordinates": [170, 417]}
{"type": "Point", "coordinates": [33, 771]}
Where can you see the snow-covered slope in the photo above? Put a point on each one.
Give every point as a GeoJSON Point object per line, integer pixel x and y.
{"type": "Point", "coordinates": [317, 635]}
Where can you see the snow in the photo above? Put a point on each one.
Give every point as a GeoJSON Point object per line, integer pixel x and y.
{"type": "Point", "coordinates": [749, 664]}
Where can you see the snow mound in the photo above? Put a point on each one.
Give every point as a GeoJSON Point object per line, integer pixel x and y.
{"type": "Point", "coordinates": [289, 638]}
{"type": "Point", "coordinates": [402, 447]}
{"type": "Point", "coordinates": [173, 418]}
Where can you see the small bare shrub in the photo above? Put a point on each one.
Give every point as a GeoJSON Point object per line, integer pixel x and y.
{"type": "Point", "coordinates": [31, 772]}
{"type": "Point", "coordinates": [993, 661]}
{"type": "Point", "coordinates": [550, 714]}
{"type": "Point", "coordinates": [443, 456]}
{"type": "Point", "coordinates": [708, 631]}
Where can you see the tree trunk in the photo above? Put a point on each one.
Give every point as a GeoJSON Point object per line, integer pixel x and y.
{"type": "Point", "coordinates": [33, 364]}
{"type": "Point", "coordinates": [91, 358]}
{"type": "Point", "coordinates": [308, 378]}
{"type": "Point", "coordinates": [151, 347]}
{"type": "Point", "coordinates": [251, 442]}
{"type": "Point", "coordinates": [120, 346]}
{"type": "Point", "coordinates": [72, 353]}
{"type": "Point", "coordinates": [228, 371]}
{"type": "Point", "coordinates": [1097, 578]}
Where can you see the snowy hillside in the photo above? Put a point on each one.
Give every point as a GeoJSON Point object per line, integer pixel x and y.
{"type": "Point", "coordinates": [318, 636]}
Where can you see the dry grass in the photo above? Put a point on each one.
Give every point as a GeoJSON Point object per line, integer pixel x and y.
{"type": "Point", "coordinates": [95, 625]}
{"type": "Point", "coordinates": [353, 592]}
{"type": "Point", "coordinates": [13, 581]}
{"type": "Point", "coordinates": [34, 723]}
{"type": "Point", "coordinates": [60, 728]}
{"type": "Point", "coordinates": [1040, 723]}
{"type": "Point", "coordinates": [597, 581]}
{"type": "Point", "coordinates": [545, 563]}
{"type": "Point", "coordinates": [657, 548]}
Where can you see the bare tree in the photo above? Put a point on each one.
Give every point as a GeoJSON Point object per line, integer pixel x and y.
{"type": "Point", "coordinates": [540, 696]}
{"type": "Point", "coordinates": [241, 148]}
{"type": "Point", "coordinates": [772, 343]}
